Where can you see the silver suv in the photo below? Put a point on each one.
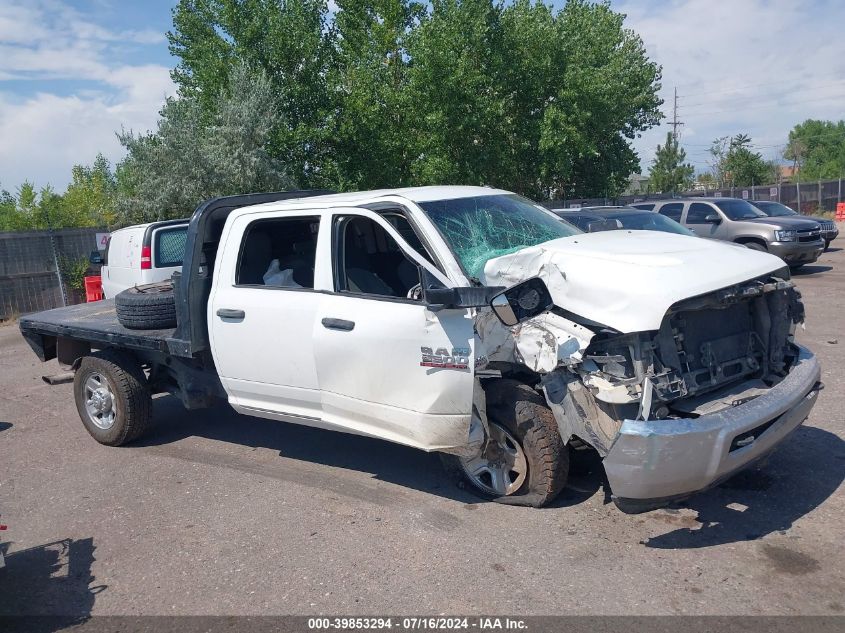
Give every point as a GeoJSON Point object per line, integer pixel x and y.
{"type": "Point", "coordinates": [796, 240]}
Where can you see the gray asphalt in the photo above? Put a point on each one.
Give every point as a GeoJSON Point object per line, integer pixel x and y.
{"type": "Point", "coordinates": [214, 513]}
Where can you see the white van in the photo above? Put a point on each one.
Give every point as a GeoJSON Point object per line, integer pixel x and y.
{"type": "Point", "coordinates": [143, 254]}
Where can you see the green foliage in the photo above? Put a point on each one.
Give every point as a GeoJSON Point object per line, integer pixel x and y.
{"type": "Point", "coordinates": [91, 196]}
{"type": "Point", "coordinates": [735, 164]}
{"type": "Point", "coordinates": [396, 92]}
{"type": "Point", "coordinates": [818, 149]}
{"type": "Point", "coordinates": [89, 201]}
{"type": "Point", "coordinates": [291, 42]}
{"type": "Point", "coordinates": [73, 271]}
{"type": "Point", "coordinates": [744, 167]}
{"type": "Point", "coordinates": [190, 159]}
{"type": "Point", "coordinates": [380, 93]}
{"type": "Point", "coordinates": [669, 172]}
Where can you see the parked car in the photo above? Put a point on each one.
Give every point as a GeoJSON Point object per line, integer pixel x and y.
{"type": "Point", "coordinates": [464, 320]}
{"type": "Point", "coordinates": [777, 210]}
{"type": "Point", "coordinates": [593, 219]}
{"type": "Point", "coordinates": [141, 254]}
{"type": "Point", "coordinates": [797, 241]}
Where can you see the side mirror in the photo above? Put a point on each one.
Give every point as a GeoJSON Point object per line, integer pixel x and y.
{"type": "Point", "coordinates": [522, 301]}
{"type": "Point", "coordinates": [96, 258]}
{"type": "Point", "coordinates": [438, 297]}
{"type": "Point", "coordinates": [712, 218]}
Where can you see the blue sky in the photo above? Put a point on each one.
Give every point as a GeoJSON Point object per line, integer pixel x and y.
{"type": "Point", "coordinates": [72, 72]}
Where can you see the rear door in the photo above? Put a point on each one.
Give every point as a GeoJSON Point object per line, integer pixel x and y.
{"type": "Point", "coordinates": [387, 365]}
{"type": "Point", "coordinates": [262, 312]}
{"type": "Point", "coordinates": [672, 210]}
{"type": "Point", "coordinates": [123, 268]}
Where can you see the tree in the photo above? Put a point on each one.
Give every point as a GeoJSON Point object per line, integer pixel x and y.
{"type": "Point", "coordinates": [718, 154]}
{"type": "Point", "coordinates": [744, 166]}
{"type": "Point", "coordinates": [399, 92]}
{"type": "Point", "coordinates": [669, 172]}
{"type": "Point", "coordinates": [91, 196]}
{"type": "Point", "coordinates": [707, 180]}
{"type": "Point", "coordinates": [292, 43]}
{"type": "Point", "coordinates": [817, 148]}
{"type": "Point", "coordinates": [370, 78]}
{"type": "Point", "coordinates": [190, 158]}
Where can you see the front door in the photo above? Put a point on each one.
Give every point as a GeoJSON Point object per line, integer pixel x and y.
{"type": "Point", "coordinates": [387, 365]}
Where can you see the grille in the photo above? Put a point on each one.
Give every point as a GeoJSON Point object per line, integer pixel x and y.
{"type": "Point", "coordinates": [809, 235]}
{"type": "Point", "coordinates": [827, 226]}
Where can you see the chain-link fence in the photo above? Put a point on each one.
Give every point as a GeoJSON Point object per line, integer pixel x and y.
{"type": "Point", "coordinates": [30, 268]}
{"type": "Point", "coordinates": [818, 196]}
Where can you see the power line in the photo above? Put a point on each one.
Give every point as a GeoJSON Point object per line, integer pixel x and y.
{"type": "Point", "coordinates": [814, 83]}
{"type": "Point", "coordinates": [767, 106]}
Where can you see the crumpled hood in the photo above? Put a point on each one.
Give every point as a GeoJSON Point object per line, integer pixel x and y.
{"type": "Point", "coordinates": [627, 280]}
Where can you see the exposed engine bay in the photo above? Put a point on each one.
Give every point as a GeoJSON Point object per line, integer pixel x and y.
{"type": "Point", "coordinates": [710, 352]}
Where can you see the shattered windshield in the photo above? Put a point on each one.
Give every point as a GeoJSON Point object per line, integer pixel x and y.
{"type": "Point", "coordinates": [483, 227]}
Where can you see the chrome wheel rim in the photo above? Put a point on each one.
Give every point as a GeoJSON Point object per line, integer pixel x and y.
{"type": "Point", "coordinates": [99, 402]}
{"type": "Point", "coordinates": [501, 468]}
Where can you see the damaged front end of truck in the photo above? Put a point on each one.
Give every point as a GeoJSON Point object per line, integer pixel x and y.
{"type": "Point", "coordinates": [678, 372]}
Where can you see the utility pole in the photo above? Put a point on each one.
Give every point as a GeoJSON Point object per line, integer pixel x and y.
{"type": "Point", "coordinates": [675, 123]}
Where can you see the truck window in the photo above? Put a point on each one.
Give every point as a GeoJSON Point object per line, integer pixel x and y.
{"type": "Point", "coordinates": [698, 211]}
{"type": "Point", "coordinates": [369, 261]}
{"type": "Point", "coordinates": [672, 210]}
{"type": "Point", "coordinates": [409, 234]}
{"type": "Point", "coordinates": [279, 253]}
{"type": "Point", "coordinates": [170, 246]}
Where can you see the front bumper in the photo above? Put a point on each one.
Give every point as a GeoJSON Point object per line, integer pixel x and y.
{"type": "Point", "coordinates": [797, 252]}
{"type": "Point", "coordinates": [829, 236]}
{"type": "Point", "coordinates": [656, 461]}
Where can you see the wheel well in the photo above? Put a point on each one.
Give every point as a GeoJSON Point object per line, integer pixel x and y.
{"type": "Point", "coordinates": [752, 240]}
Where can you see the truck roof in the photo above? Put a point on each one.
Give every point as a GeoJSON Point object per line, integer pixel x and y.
{"type": "Point", "coordinates": [414, 194]}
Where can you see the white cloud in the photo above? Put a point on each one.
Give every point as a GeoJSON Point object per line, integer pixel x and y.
{"type": "Point", "coordinates": [749, 66]}
{"type": "Point", "coordinates": [45, 134]}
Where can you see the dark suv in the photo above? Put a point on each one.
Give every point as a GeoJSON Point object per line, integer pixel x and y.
{"type": "Point", "coordinates": [778, 210]}
{"type": "Point", "coordinates": [796, 240]}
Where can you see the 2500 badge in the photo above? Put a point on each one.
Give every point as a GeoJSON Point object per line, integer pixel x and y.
{"type": "Point", "coordinates": [442, 358]}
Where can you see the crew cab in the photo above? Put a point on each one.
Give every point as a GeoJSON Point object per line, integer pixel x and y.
{"type": "Point", "coordinates": [468, 321]}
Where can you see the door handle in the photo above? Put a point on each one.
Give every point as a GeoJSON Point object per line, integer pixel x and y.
{"type": "Point", "coordinates": [338, 324]}
{"type": "Point", "coordinates": [226, 313]}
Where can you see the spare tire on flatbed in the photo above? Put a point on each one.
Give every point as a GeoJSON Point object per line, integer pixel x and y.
{"type": "Point", "coordinates": [147, 307]}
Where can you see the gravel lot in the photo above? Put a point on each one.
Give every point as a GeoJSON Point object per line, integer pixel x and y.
{"type": "Point", "coordinates": [214, 513]}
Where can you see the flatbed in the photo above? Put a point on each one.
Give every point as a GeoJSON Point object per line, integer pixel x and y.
{"type": "Point", "coordinates": [93, 322]}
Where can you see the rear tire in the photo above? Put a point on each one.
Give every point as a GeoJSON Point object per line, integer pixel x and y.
{"type": "Point", "coordinates": [525, 437]}
{"type": "Point", "coordinates": [147, 307]}
{"type": "Point", "coordinates": [112, 397]}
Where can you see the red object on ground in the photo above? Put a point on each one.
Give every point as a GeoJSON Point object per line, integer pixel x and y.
{"type": "Point", "coordinates": [93, 288]}
{"type": "Point", "coordinates": [840, 211]}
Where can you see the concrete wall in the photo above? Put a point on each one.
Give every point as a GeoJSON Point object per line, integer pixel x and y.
{"type": "Point", "coordinates": [28, 279]}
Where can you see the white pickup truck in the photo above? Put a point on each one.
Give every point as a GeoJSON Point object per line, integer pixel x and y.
{"type": "Point", "coordinates": [468, 321]}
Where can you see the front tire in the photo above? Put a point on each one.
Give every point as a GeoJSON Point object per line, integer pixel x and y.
{"type": "Point", "coordinates": [524, 461]}
{"type": "Point", "coordinates": [112, 397]}
{"type": "Point", "coordinates": [756, 246]}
